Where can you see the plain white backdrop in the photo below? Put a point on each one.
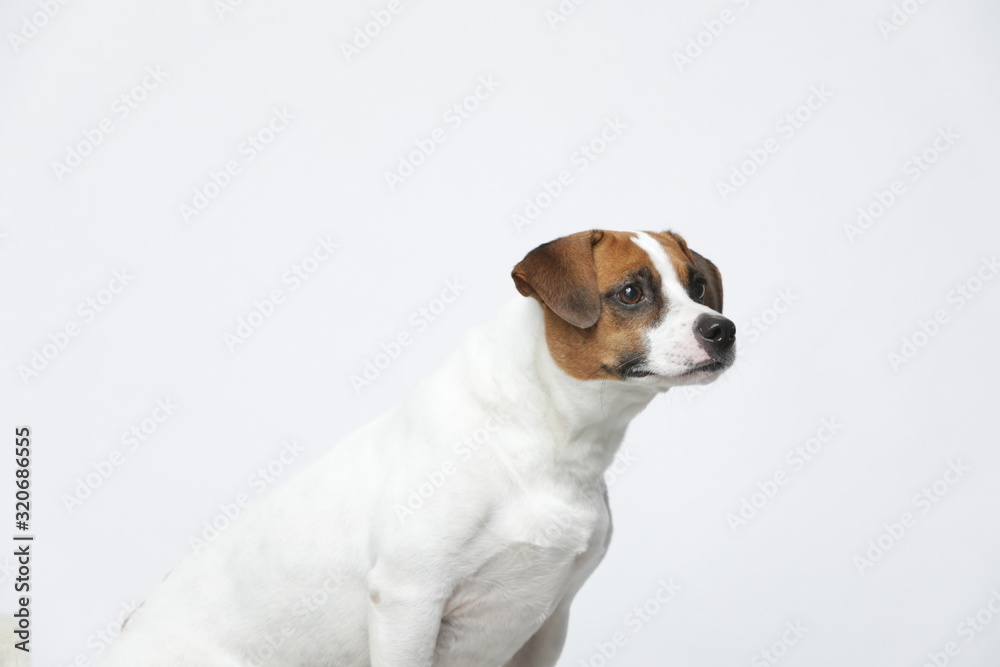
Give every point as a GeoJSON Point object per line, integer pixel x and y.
{"type": "Point", "coordinates": [808, 112]}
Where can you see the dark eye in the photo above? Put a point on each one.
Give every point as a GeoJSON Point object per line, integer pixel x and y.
{"type": "Point", "coordinates": [698, 290]}
{"type": "Point", "coordinates": [630, 294]}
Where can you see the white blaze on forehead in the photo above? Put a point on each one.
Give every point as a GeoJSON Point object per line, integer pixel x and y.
{"type": "Point", "coordinates": [671, 285]}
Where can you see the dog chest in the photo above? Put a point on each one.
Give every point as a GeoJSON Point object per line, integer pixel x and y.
{"type": "Point", "coordinates": [541, 559]}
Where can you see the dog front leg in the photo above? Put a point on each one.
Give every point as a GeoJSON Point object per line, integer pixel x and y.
{"type": "Point", "coordinates": [403, 625]}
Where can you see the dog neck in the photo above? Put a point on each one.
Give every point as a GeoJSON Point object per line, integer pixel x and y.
{"type": "Point", "coordinates": [587, 418]}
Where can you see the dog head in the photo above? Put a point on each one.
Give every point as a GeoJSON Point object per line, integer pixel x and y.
{"type": "Point", "coordinates": [637, 307]}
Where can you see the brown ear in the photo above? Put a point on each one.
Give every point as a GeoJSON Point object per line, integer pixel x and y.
{"type": "Point", "coordinates": [562, 275]}
{"type": "Point", "coordinates": [713, 290]}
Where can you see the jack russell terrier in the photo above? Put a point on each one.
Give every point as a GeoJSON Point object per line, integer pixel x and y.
{"type": "Point", "coordinates": [455, 529]}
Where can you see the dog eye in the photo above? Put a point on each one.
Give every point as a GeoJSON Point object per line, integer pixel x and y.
{"type": "Point", "coordinates": [698, 288]}
{"type": "Point", "coordinates": [630, 294]}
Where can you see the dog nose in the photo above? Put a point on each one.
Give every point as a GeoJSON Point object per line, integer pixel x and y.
{"type": "Point", "coordinates": [716, 332]}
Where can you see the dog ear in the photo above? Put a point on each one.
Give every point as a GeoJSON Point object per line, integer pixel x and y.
{"type": "Point", "coordinates": [562, 275]}
{"type": "Point", "coordinates": [713, 290]}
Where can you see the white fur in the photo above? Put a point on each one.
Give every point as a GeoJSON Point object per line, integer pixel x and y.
{"type": "Point", "coordinates": [481, 575]}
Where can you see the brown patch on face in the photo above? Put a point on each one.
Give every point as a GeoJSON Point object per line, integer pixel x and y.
{"type": "Point", "coordinates": [677, 251]}
{"type": "Point", "coordinates": [692, 267]}
{"type": "Point", "coordinates": [612, 345]}
{"type": "Point", "coordinates": [713, 293]}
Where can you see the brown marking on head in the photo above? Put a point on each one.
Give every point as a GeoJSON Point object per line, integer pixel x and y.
{"type": "Point", "coordinates": [591, 330]}
{"type": "Point", "coordinates": [577, 279]}
{"type": "Point", "coordinates": [690, 266]}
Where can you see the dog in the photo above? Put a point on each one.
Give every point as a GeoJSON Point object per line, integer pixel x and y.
{"type": "Point", "coordinates": [455, 529]}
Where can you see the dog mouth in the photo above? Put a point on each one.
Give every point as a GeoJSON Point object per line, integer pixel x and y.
{"type": "Point", "coordinates": [633, 369]}
{"type": "Point", "coordinates": [636, 368]}
{"type": "Point", "coordinates": [713, 366]}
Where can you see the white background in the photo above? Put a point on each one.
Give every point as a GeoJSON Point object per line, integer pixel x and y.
{"type": "Point", "coordinates": [688, 124]}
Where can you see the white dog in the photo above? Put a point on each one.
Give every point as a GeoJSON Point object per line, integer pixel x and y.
{"type": "Point", "coordinates": [455, 530]}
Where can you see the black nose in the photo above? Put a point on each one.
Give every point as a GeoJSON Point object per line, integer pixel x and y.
{"type": "Point", "coordinates": [716, 333]}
